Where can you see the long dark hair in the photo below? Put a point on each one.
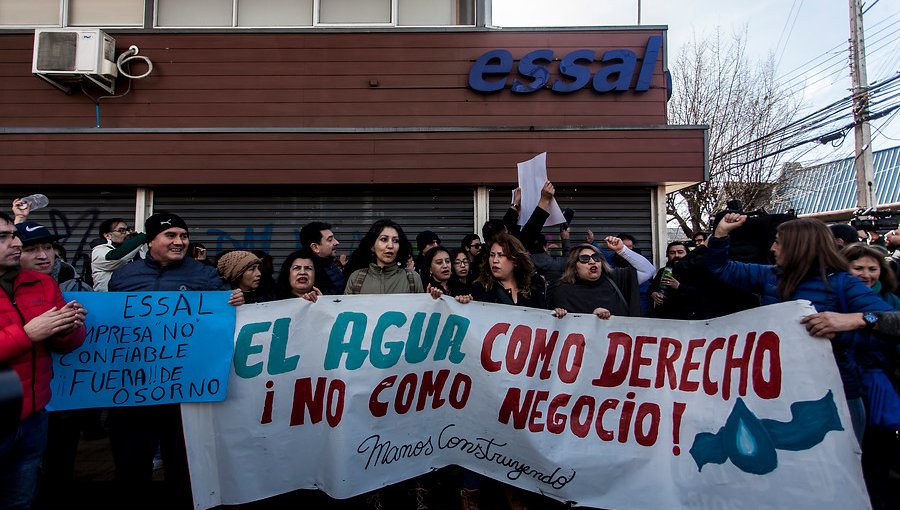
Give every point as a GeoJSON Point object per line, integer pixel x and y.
{"type": "Point", "coordinates": [523, 268]}
{"type": "Point", "coordinates": [362, 256]}
{"type": "Point", "coordinates": [807, 249]}
{"type": "Point", "coordinates": [425, 270]}
{"type": "Point", "coordinates": [453, 276]}
{"type": "Point", "coordinates": [283, 288]}
{"type": "Point", "coordinates": [856, 251]}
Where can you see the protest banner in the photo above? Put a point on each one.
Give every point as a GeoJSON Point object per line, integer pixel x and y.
{"type": "Point", "coordinates": [145, 348]}
{"type": "Point", "coordinates": [356, 392]}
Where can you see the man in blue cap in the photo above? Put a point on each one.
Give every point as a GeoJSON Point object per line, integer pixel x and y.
{"type": "Point", "coordinates": [38, 255]}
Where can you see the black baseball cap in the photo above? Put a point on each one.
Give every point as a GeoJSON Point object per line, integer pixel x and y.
{"type": "Point", "coordinates": [32, 232]}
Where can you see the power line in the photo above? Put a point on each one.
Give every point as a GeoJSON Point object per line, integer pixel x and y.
{"type": "Point", "coordinates": [836, 50]}
{"type": "Point", "coordinates": [839, 66]}
{"type": "Point", "coordinates": [819, 119]}
{"type": "Point", "coordinates": [791, 31]}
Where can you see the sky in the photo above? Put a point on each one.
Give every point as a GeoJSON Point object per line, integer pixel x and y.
{"type": "Point", "coordinates": [808, 39]}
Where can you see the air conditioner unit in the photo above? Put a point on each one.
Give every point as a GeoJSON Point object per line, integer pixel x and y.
{"type": "Point", "coordinates": [67, 55]}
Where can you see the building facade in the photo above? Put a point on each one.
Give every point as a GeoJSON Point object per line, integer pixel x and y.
{"type": "Point", "coordinates": [249, 129]}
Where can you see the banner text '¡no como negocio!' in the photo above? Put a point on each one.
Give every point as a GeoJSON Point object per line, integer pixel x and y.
{"type": "Point", "coordinates": [615, 74]}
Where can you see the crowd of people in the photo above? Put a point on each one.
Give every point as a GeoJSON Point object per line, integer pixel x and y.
{"type": "Point", "coordinates": [851, 284]}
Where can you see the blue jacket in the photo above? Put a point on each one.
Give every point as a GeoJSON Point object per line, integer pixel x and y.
{"type": "Point", "coordinates": [763, 279]}
{"type": "Point", "coordinates": [147, 275]}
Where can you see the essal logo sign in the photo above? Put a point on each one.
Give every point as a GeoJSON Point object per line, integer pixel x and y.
{"type": "Point", "coordinates": [617, 70]}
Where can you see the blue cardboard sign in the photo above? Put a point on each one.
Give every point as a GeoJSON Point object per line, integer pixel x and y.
{"type": "Point", "coordinates": [146, 348]}
{"type": "Point", "coordinates": [618, 69]}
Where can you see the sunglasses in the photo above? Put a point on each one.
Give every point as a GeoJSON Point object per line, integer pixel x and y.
{"type": "Point", "coordinates": [584, 259]}
{"type": "Point", "coordinates": [9, 235]}
{"type": "Point", "coordinates": [123, 230]}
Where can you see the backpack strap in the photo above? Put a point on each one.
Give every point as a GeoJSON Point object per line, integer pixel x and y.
{"type": "Point", "coordinates": [411, 280]}
{"type": "Point", "coordinates": [357, 282]}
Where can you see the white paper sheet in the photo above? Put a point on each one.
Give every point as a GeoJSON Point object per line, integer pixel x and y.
{"type": "Point", "coordinates": [532, 176]}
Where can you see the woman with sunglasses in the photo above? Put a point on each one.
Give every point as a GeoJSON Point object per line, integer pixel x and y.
{"type": "Point", "coordinates": [590, 285]}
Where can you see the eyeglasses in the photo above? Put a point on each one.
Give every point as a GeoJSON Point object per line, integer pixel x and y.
{"type": "Point", "coordinates": [584, 259]}
{"type": "Point", "coordinates": [464, 262]}
{"type": "Point", "coordinates": [475, 245]}
{"type": "Point", "coordinates": [123, 230]}
{"type": "Point", "coordinates": [9, 235]}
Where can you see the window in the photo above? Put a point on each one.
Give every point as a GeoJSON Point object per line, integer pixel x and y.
{"type": "Point", "coordinates": [308, 13]}
{"type": "Point", "coordinates": [75, 13]}
{"type": "Point", "coordinates": [194, 13]}
{"type": "Point", "coordinates": [272, 13]}
{"type": "Point", "coordinates": [30, 12]}
{"type": "Point", "coordinates": [106, 13]}
{"type": "Point", "coordinates": [354, 11]}
{"type": "Point", "coordinates": [435, 12]}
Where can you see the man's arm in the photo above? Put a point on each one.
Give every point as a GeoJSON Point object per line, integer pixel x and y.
{"type": "Point", "coordinates": [128, 247]}
{"type": "Point", "coordinates": [827, 324]}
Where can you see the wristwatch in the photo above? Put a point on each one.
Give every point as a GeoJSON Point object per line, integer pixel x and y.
{"type": "Point", "coordinates": [871, 319]}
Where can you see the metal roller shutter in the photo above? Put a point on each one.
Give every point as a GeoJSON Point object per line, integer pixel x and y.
{"type": "Point", "coordinates": [270, 218]}
{"type": "Point", "coordinates": [605, 210]}
{"type": "Point", "coordinates": [76, 214]}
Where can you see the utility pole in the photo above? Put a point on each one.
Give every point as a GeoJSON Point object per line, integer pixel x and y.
{"type": "Point", "coordinates": [865, 172]}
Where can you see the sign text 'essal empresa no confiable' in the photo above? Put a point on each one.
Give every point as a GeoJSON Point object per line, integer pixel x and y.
{"type": "Point", "coordinates": [617, 69]}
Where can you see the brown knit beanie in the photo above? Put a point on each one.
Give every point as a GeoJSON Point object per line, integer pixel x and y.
{"type": "Point", "coordinates": [233, 264]}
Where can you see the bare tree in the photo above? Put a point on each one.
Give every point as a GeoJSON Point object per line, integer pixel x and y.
{"type": "Point", "coordinates": [715, 83]}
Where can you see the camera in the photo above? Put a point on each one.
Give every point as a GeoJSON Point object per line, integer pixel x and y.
{"type": "Point", "coordinates": [873, 220]}
{"type": "Point", "coordinates": [752, 241]}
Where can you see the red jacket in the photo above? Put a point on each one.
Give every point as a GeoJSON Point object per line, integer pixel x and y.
{"type": "Point", "coordinates": [34, 294]}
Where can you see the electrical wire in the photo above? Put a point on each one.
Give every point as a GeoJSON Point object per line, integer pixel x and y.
{"type": "Point", "coordinates": [834, 52]}
{"type": "Point", "coordinates": [886, 91]}
{"type": "Point", "coordinates": [788, 38]}
{"type": "Point", "coordinates": [839, 67]}
{"type": "Point", "coordinates": [886, 122]}
{"type": "Point", "coordinates": [799, 75]}
{"type": "Point", "coordinates": [130, 55]}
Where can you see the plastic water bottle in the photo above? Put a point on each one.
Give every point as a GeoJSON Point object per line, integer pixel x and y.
{"type": "Point", "coordinates": [36, 201]}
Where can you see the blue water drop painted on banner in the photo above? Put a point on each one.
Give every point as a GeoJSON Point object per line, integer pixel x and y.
{"type": "Point", "coordinates": [751, 443]}
{"type": "Point", "coordinates": [745, 442]}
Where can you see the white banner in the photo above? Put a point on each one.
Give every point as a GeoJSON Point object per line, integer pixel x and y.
{"type": "Point", "coordinates": [356, 392]}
